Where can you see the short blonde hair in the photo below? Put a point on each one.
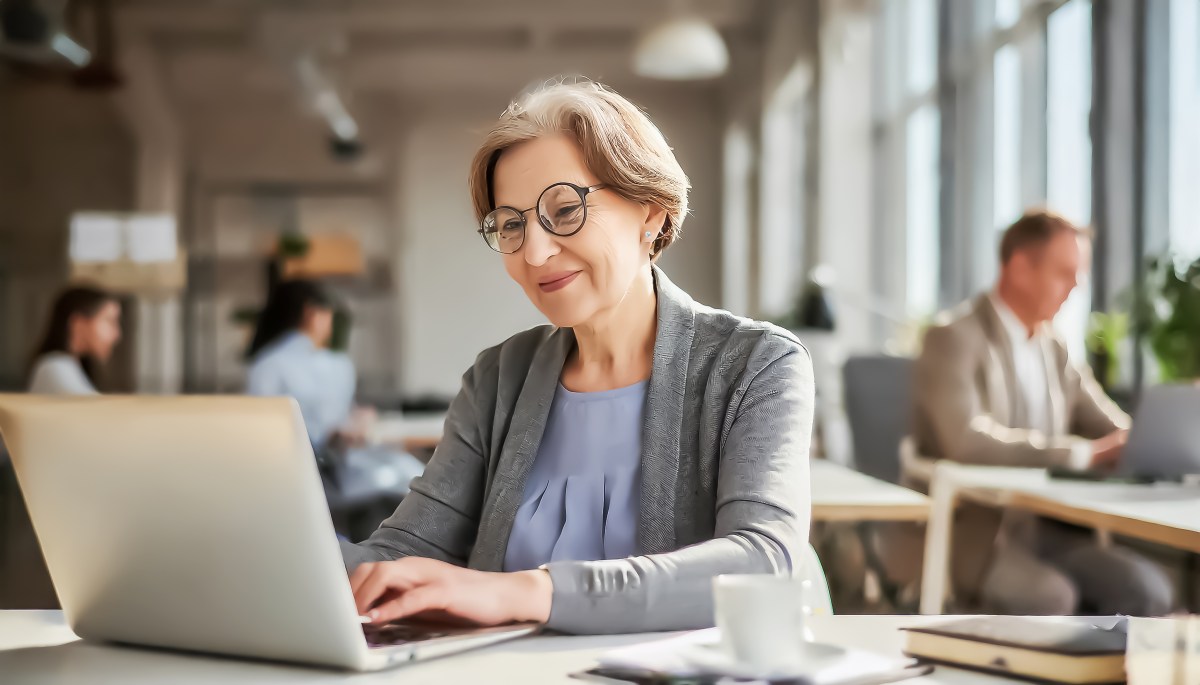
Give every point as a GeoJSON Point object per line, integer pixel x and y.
{"type": "Point", "coordinates": [620, 145]}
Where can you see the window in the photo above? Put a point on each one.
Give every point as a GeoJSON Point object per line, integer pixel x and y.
{"type": "Point", "coordinates": [907, 151]}
{"type": "Point", "coordinates": [921, 161]}
{"type": "Point", "coordinates": [1068, 143]}
{"type": "Point", "coordinates": [1184, 128]}
{"type": "Point", "coordinates": [1006, 137]}
{"type": "Point", "coordinates": [921, 215]}
{"type": "Point", "coordinates": [1008, 12]}
{"type": "Point", "coordinates": [1020, 75]}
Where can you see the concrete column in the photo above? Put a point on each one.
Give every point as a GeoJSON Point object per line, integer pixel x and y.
{"type": "Point", "coordinates": [158, 340]}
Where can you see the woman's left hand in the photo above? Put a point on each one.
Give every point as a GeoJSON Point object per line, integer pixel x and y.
{"type": "Point", "coordinates": [391, 590]}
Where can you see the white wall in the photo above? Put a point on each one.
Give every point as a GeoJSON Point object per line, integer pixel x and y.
{"type": "Point", "coordinates": [455, 297]}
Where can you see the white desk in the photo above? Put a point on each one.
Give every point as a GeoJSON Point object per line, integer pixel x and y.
{"type": "Point", "coordinates": [36, 648]}
{"type": "Point", "coordinates": [1167, 514]}
{"type": "Point", "coordinates": [410, 431]}
{"type": "Point", "coordinates": [843, 494]}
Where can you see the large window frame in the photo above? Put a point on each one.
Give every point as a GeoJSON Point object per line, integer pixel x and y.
{"type": "Point", "coordinates": [993, 155]}
{"type": "Point", "coordinates": [906, 114]}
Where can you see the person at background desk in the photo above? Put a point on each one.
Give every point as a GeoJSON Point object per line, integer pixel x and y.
{"type": "Point", "coordinates": [598, 472]}
{"type": "Point", "coordinates": [995, 385]}
{"type": "Point", "coordinates": [290, 356]}
{"type": "Point", "coordinates": [83, 330]}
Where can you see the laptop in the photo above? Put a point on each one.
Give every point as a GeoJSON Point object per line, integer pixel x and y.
{"type": "Point", "coordinates": [1164, 441]}
{"type": "Point", "coordinates": [200, 524]}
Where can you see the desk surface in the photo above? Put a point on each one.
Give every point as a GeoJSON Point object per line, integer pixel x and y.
{"type": "Point", "coordinates": [410, 431]}
{"type": "Point", "coordinates": [36, 648]}
{"type": "Point", "coordinates": [1166, 513]}
{"type": "Point", "coordinates": [843, 494]}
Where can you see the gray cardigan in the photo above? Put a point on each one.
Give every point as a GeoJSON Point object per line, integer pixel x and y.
{"type": "Point", "coordinates": [725, 486]}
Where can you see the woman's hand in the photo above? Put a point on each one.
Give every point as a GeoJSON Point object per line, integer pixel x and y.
{"type": "Point", "coordinates": [391, 590]}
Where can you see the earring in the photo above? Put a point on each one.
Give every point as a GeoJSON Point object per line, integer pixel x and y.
{"type": "Point", "coordinates": [648, 234]}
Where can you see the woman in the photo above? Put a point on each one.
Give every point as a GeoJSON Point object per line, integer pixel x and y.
{"type": "Point", "coordinates": [595, 474]}
{"type": "Point", "coordinates": [84, 327]}
{"type": "Point", "coordinates": [289, 356]}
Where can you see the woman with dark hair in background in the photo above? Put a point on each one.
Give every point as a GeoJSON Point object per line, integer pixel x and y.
{"type": "Point", "coordinates": [290, 356]}
{"type": "Point", "coordinates": [84, 327]}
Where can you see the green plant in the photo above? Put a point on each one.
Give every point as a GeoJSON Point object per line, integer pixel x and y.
{"type": "Point", "coordinates": [1106, 330]}
{"type": "Point", "coordinates": [1169, 316]}
{"type": "Point", "coordinates": [293, 244]}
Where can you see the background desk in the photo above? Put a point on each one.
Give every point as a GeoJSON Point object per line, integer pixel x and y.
{"type": "Point", "coordinates": [1165, 513]}
{"type": "Point", "coordinates": [410, 432]}
{"type": "Point", "coordinates": [36, 648]}
{"type": "Point", "coordinates": [843, 494]}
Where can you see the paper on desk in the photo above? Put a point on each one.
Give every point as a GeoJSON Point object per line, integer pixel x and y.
{"type": "Point", "coordinates": [699, 654]}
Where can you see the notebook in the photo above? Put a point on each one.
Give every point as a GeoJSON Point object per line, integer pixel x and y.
{"type": "Point", "coordinates": [1050, 650]}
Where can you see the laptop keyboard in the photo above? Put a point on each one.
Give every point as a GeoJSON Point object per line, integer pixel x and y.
{"type": "Point", "coordinates": [394, 634]}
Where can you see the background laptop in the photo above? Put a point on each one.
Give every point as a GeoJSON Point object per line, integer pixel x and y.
{"type": "Point", "coordinates": [1164, 441]}
{"type": "Point", "coordinates": [198, 523]}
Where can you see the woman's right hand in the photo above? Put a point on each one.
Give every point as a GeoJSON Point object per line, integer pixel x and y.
{"type": "Point", "coordinates": [390, 590]}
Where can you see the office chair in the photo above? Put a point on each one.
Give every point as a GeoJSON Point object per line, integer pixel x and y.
{"type": "Point", "coordinates": [878, 399]}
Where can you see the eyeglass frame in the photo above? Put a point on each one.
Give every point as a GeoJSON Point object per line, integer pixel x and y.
{"type": "Point", "coordinates": [583, 193]}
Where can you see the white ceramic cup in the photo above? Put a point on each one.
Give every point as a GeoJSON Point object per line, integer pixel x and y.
{"type": "Point", "coordinates": [761, 619]}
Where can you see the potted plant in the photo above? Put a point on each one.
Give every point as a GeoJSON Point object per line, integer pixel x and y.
{"type": "Point", "coordinates": [1106, 331]}
{"type": "Point", "coordinates": [1169, 317]}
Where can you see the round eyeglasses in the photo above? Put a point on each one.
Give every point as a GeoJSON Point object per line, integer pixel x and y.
{"type": "Point", "coordinates": [561, 210]}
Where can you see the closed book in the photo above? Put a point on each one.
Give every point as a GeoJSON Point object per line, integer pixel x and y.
{"type": "Point", "coordinates": [1050, 650]}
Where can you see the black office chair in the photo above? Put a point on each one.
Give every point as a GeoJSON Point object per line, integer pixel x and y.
{"type": "Point", "coordinates": [24, 580]}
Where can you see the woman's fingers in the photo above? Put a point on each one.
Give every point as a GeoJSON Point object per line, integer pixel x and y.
{"type": "Point", "coordinates": [368, 586]}
{"type": "Point", "coordinates": [371, 582]}
{"type": "Point", "coordinates": [415, 601]}
{"type": "Point", "coordinates": [359, 575]}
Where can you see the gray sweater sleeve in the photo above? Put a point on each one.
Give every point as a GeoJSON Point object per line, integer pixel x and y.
{"type": "Point", "coordinates": [762, 521]}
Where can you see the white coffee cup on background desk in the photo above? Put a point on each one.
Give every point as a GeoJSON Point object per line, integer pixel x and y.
{"type": "Point", "coordinates": [762, 619]}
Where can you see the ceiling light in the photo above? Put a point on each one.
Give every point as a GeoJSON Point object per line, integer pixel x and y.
{"type": "Point", "coordinates": [33, 31]}
{"type": "Point", "coordinates": [681, 49]}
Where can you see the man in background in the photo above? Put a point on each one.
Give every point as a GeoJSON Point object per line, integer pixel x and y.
{"type": "Point", "coordinates": [994, 385]}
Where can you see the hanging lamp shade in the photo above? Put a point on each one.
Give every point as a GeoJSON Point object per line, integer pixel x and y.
{"type": "Point", "coordinates": [681, 49]}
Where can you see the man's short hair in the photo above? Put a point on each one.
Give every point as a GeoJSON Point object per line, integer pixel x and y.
{"type": "Point", "coordinates": [1034, 229]}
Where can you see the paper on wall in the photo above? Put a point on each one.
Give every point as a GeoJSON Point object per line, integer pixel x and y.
{"type": "Point", "coordinates": [151, 237]}
{"type": "Point", "coordinates": [95, 237]}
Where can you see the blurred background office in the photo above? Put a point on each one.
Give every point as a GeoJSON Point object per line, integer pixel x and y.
{"type": "Point", "coordinates": [853, 163]}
